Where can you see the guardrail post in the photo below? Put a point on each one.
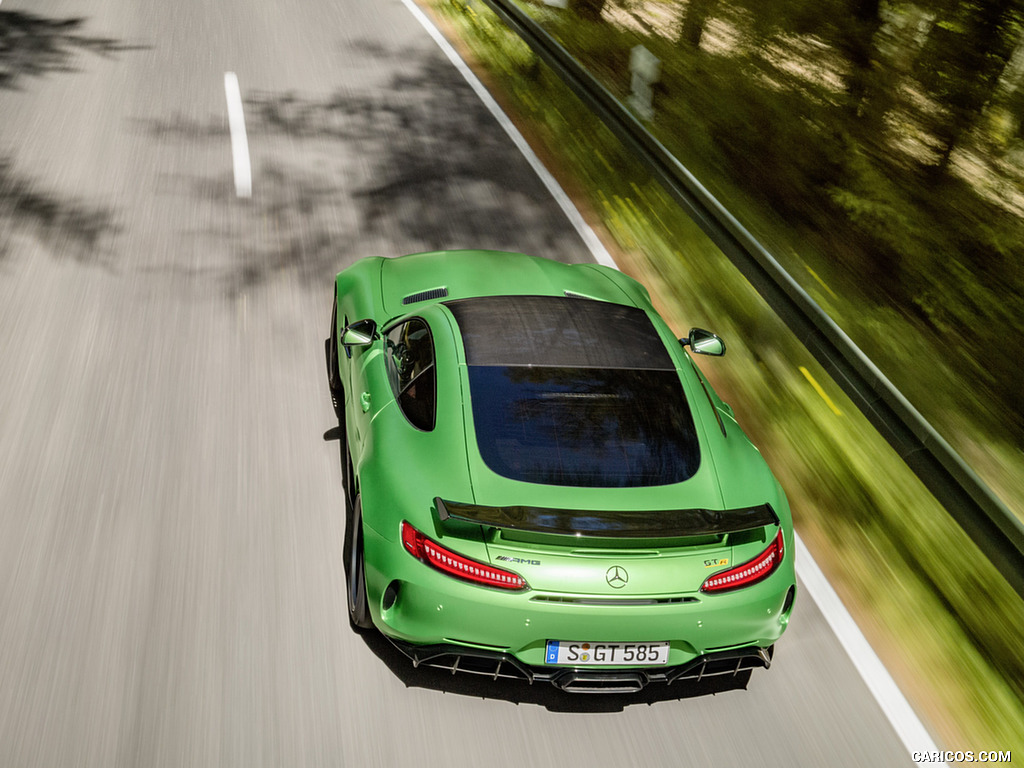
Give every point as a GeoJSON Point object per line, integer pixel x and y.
{"type": "Point", "coordinates": [646, 69]}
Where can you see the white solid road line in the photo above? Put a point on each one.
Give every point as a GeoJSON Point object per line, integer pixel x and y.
{"type": "Point", "coordinates": [888, 695]}
{"type": "Point", "coordinates": [890, 698]}
{"type": "Point", "coordinates": [239, 142]}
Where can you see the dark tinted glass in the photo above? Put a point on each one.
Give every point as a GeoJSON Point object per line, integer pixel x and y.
{"type": "Point", "coordinates": [551, 330]}
{"type": "Point", "coordinates": [591, 427]}
{"type": "Point", "coordinates": [410, 365]}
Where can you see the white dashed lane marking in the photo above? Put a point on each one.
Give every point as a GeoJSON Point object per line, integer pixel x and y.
{"type": "Point", "coordinates": [239, 142]}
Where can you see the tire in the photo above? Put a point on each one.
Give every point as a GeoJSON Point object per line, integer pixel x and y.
{"type": "Point", "coordinates": [358, 607]}
{"type": "Point", "coordinates": [333, 375]}
{"type": "Point", "coordinates": [347, 474]}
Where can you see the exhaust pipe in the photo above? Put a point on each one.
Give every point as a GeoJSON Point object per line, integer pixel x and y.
{"type": "Point", "coordinates": [602, 682]}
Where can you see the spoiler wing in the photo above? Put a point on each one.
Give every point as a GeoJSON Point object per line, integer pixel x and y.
{"type": "Point", "coordinates": [654, 524]}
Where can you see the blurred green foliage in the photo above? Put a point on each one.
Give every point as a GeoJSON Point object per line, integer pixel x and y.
{"type": "Point", "coordinates": [943, 619]}
{"type": "Point", "coordinates": [876, 146]}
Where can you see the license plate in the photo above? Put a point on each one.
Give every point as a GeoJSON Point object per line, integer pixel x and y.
{"type": "Point", "coordinates": [605, 654]}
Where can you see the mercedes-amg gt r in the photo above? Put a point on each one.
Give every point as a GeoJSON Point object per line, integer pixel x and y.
{"type": "Point", "coordinates": [540, 483]}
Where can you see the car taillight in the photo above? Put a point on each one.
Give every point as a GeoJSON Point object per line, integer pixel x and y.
{"type": "Point", "coordinates": [749, 572]}
{"type": "Point", "coordinates": [432, 553]}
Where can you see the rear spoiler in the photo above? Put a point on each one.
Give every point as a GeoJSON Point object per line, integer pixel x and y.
{"type": "Point", "coordinates": [655, 524]}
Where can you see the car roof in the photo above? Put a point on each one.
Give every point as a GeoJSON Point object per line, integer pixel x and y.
{"type": "Point", "coordinates": [557, 331]}
{"type": "Point", "coordinates": [406, 281]}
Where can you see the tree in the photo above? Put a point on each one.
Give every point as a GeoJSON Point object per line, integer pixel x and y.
{"type": "Point", "coordinates": [589, 9]}
{"type": "Point", "coordinates": [694, 20]}
{"type": "Point", "coordinates": [967, 50]}
{"type": "Point", "coordinates": [856, 39]}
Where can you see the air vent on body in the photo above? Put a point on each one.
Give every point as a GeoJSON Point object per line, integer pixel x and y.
{"type": "Point", "coordinates": [433, 293]}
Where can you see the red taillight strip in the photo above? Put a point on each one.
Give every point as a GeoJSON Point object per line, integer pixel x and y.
{"type": "Point", "coordinates": [432, 553]}
{"type": "Point", "coordinates": [749, 572]}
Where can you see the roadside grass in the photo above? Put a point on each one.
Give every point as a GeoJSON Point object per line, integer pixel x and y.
{"type": "Point", "coordinates": [944, 622]}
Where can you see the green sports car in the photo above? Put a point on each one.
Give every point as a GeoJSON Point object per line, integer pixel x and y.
{"type": "Point", "coordinates": [539, 482]}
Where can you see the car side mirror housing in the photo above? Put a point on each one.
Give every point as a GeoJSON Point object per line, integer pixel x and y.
{"type": "Point", "coordinates": [704, 342]}
{"type": "Point", "coordinates": [359, 334]}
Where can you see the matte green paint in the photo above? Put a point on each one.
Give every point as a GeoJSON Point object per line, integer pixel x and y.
{"type": "Point", "coordinates": [400, 469]}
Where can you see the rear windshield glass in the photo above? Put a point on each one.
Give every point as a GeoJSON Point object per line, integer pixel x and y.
{"type": "Point", "coordinates": [620, 421]}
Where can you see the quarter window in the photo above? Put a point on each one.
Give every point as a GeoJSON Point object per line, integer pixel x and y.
{"type": "Point", "coordinates": [410, 364]}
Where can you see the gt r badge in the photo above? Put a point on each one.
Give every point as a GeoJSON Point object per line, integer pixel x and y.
{"type": "Point", "coordinates": [617, 577]}
{"type": "Point", "coordinates": [717, 562]}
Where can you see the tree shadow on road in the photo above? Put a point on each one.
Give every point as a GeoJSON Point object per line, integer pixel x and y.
{"type": "Point", "coordinates": [70, 227]}
{"type": "Point", "coordinates": [417, 165]}
{"type": "Point", "coordinates": [445, 173]}
{"type": "Point", "coordinates": [33, 45]}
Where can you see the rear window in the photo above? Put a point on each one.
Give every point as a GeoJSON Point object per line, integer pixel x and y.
{"type": "Point", "coordinates": [601, 405]}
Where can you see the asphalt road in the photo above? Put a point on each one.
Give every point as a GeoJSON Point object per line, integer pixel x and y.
{"type": "Point", "coordinates": [171, 592]}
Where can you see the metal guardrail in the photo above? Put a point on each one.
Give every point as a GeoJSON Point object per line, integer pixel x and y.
{"type": "Point", "coordinates": [989, 522]}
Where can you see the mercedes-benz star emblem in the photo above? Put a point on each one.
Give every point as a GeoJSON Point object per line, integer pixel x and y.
{"type": "Point", "coordinates": [617, 577]}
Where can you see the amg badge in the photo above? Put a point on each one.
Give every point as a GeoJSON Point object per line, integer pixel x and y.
{"type": "Point", "coordinates": [507, 559]}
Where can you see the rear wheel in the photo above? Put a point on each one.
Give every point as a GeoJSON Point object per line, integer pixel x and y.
{"type": "Point", "coordinates": [358, 608]}
{"type": "Point", "coordinates": [347, 475]}
{"type": "Point", "coordinates": [333, 375]}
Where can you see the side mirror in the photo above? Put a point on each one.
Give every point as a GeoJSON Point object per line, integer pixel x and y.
{"type": "Point", "coordinates": [359, 334]}
{"type": "Point", "coordinates": [704, 342]}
